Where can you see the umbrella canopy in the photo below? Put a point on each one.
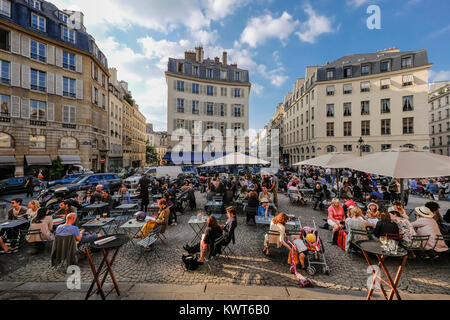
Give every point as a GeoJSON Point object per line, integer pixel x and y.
{"type": "Point", "coordinates": [327, 160]}
{"type": "Point", "coordinates": [235, 159]}
{"type": "Point", "coordinates": [401, 164]}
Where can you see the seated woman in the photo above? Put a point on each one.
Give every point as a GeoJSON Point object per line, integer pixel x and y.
{"type": "Point", "coordinates": [264, 209]}
{"type": "Point", "coordinates": [336, 215]}
{"type": "Point", "coordinates": [385, 226]}
{"type": "Point", "coordinates": [372, 214]}
{"type": "Point", "coordinates": [44, 223]}
{"type": "Point", "coordinates": [265, 195]}
{"type": "Point", "coordinates": [87, 200]}
{"type": "Point", "coordinates": [212, 233]}
{"type": "Point", "coordinates": [162, 220]}
{"type": "Point", "coordinates": [425, 225]}
{"type": "Point", "coordinates": [296, 195]}
{"type": "Point", "coordinates": [355, 221]}
{"type": "Point", "coordinates": [253, 203]}
{"type": "Point", "coordinates": [242, 194]}
{"type": "Point", "coordinates": [125, 197]}
{"type": "Point", "coordinates": [33, 207]}
{"type": "Point", "coordinates": [406, 230]}
{"type": "Point", "coordinates": [278, 225]}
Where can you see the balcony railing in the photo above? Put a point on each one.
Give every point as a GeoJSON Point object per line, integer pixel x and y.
{"type": "Point", "coordinates": [69, 126]}
{"type": "Point", "coordinates": [38, 123]}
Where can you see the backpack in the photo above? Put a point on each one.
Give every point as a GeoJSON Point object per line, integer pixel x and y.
{"type": "Point", "coordinates": [190, 262]}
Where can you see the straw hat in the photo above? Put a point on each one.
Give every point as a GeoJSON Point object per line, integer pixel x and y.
{"type": "Point", "coordinates": [424, 212]}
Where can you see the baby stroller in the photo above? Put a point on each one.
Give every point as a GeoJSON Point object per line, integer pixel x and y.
{"type": "Point", "coordinates": [315, 256]}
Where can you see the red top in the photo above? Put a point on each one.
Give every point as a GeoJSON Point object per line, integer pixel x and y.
{"type": "Point", "coordinates": [350, 203]}
{"type": "Point", "coordinates": [336, 214]}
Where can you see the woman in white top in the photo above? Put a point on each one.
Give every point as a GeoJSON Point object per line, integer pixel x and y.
{"type": "Point", "coordinates": [43, 223]}
{"type": "Point", "coordinates": [277, 233]}
{"type": "Point", "coordinates": [265, 195]}
{"type": "Point", "coordinates": [33, 207]}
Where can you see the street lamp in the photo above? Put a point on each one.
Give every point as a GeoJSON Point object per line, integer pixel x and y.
{"type": "Point", "coordinates": [361, 144]}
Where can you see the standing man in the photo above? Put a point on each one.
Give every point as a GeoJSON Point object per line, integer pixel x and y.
{"type": "Point", "coordinates": [406, 191]}
{"type": "Point", "coordinates": [143, 186]}
{"type": "Point", "coordinates": [274, 189]}
{"type": "Point", "coordinates": [29, 187]}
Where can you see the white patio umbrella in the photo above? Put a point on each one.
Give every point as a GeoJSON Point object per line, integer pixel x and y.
{"type": "Point", "coordinates": [401, 164]}
{"type": "Point", "coordinates": [235, 159]}
{"type": "Point", "coordinates": [327, 160]}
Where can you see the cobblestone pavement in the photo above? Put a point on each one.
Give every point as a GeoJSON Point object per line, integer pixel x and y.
{"type": "Point", "coordinates": [248, 265]}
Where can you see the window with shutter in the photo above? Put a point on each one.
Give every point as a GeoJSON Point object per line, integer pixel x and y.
{"type": "Point", "coordinates": [15, 42]}
{"type": "Point", "coordinates": [51, 55]}
{"type": "Point", "coordinates": [25, 46]}
{"type": "Point", "coordinates": [79, 63]}
{"type": "Point", "coordinates": [79, 89]}
{"type": "Point", "coordinates": [25, 109]}
{"type": "Point", "coordinates": [15, 107]}
{"type": "Point", "coordinates": [59, 85]}
{"type": "Point", "coordinates": [50, 111]}
{"type": "Point", "coordinates": [15, 74]}
{"type": "Point", "coordinates": [25, 77]}
{"type": "Point", "coordinates": [50, 83]}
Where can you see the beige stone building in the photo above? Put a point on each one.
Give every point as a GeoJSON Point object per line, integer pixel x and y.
{"type": "Point", "coordinates": [439, 118]}
{"type": "Point", "coordinates": [138, 134]}
{"type": "Point", "coordinates": [115, 122]}
{"type": "Point", "coordinates": [53, 89]}
{"type": "Point", "coordinates": [379, 97]}
{"type": "Point", "coordinates": [205, 97]}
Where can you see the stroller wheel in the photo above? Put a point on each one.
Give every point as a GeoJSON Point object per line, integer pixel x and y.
{"type": "Point", "coordinates": [311, 270]}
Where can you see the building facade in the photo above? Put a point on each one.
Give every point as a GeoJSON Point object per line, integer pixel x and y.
{"type": "Point", "coordinates": [361, 103]}
{"type": "Point", "coordinates": [53, 90]}
{"type": "Point", "coordinates": [440, 120]}
{"type": "Point", "coordinates": [138, 135]}
{"type": "Point", "coordinates": [115, 122]}
{"type": "Point", "coordinates": [208, 98]}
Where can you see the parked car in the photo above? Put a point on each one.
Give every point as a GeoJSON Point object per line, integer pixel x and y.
{"type": "Point", "coordinates": [17, 185]}
{"type": "Point", "coordinates": [66, 180]}
{"type": "Point", "coordinates": [110, 181]}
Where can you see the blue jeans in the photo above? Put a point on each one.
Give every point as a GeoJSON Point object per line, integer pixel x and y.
{"type": "Point", "coordinates": [89, 238]}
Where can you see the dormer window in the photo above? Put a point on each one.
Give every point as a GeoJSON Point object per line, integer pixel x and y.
{"type": "Point", "coordinates": [406, 62]}
{"type": "Point", "coordinates": [330, 76]}
{"type": "Point", "coordinates": [68, 35]}
{"type": "Point", "coordinates": [237, 76]}
{"type": "Point", "coordinates": [5, 7]}
{"type": "Point", "coordinates": [348, 72]}
{"type": "Point", "coordinates": [35, 4]}
{"type": "Point", "coordinates": [180, 67]}
{"type": "Point", "coordinates": [365, 70]}
{"type": "Point", "coordinates": [63, 17]}
{"type": "Point", "coordinates": [209, 73]}
{"type": "Point", "coordinates": [385, 66]}
{"type": "Point", "coordinates": [38, 22]}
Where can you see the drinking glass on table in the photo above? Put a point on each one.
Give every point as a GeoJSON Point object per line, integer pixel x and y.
{"type": "Point", "coordinates": [97, 218]}
{"type": "Point", "coordinates": [384, 242]}
{"type": "Point", "coordinates": [105, 215]}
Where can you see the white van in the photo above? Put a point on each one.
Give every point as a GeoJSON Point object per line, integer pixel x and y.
{"type": "Point", "coordinates": [171, 172]}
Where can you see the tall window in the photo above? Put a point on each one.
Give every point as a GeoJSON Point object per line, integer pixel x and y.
{"type": "Point", "coordinates": [365, 70]}
{"type": "Point", "coordinates": [209, 90]}
{"type": "Point", "coordinates": [223, 92]}
{"type": "Point", "coordinates": [223, 74]}
{"type": "Point", "coordinates": [237, 76]}
{"type": "Point", "coordinates": [385, 84]}
{"type": "Point", "coordinates": [180, 86]}
{"type": "Point", "coordinates": [408, 125]}
{"type": "Point", "coordinates": [347, 109]}
{"type": "Point", "coordinates": [330, 110]}
{"type": "Point", "coordinates": [195, 88]}
{"type": "Point", "coordinates": [209, 109]}
{"type": "Point", "coordinates": [38, 22]}
{"type": "Point", "coordinates": [365, 86]}
{"type": "Point", "coordinates": [330, 129]}
{"type": "Point", "coordinates": [35, 4]}
{"type": "Point", "coordinates": [237, 111]}
{"type": "Point", "coordinates": [4, 40]}
{"type": "Point", "coordinates": [68, 143]}
{"type": "Point", "coordinates": [330, 91]}
{"type": "Point", "coordinates": [37, 142]}
{"type": "Point", "coordinates": [38, 51]}
{"type": "Point", "coordinates": [37, 110]}
{"type": "Point", "coordinates": [5, 72]}
{"type": "Point", "coordinates": [5, 140]}
{"type": "Point", "coordinates": [385, 127]}
{"type": "Point", "coordinates": [365, 128]}
{"type": "Point", "coordinates": [408, 103]}
{"type": "Point", "coordinates": [385, 105]}
{"type": "Point", "coordinates": [348, 148]}
{"type": "Point", "coordinates": [195, 71]}
{"type": "Point", "coordinates": [348, 72]}
{"type": "Point", "coordinates": [69, 89]}
{"type": "Point", "coordinates": [385, 66]}
{"type": "Point", "coordinates": [209, 73]}
{"type": "Point", "coordinates": [365, 108]}
{"type": "Point", "coordinates": [180, 124]}
{"type": "Point", "coordinates": [237, 93]}
{"type": "Point", "coordinates": [222, 110]}
{"type": "Point", "coordinates": [5, 107]}
{"type": "Point", "coordinates": [38, 80]}
{"type": "Point", "coordinates": [180, 105]}
{"type": "Point", "coordinates": [406, 62]}
{"type": "Point", "coordinates": [5, 7]}
{"type": "Point", "coordinates": [69, 35]}
{"type": "Point", "coordinates": [195, 109]}
{"type": "Point", "coordinates": [347, 129]}
{"type": "Point", "coordinates": [330, 75]}
{"type": "Point", "coordinates": [69, 61]}
{"type": "Point", "coordinates": [68, 115]}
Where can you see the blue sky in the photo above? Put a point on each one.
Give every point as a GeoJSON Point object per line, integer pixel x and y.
{"type": "Point", "coordinates": [274, 39]}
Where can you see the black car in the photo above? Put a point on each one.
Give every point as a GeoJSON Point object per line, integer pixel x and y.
{"type": "Point", "coordinates": [17, 185]}
{"type": "Point", "coordinates": [110, 181]}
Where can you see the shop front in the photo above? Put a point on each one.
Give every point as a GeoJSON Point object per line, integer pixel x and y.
{"type": "Point", "coordinates": [7, 167]}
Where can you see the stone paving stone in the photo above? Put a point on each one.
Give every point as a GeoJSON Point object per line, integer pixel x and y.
{"type": "Point", "coordinates": [27, 296]}
{"type": "Point", "coordinates": [7, 286]}
{"type": "Point", "coordinates": [248, 266]}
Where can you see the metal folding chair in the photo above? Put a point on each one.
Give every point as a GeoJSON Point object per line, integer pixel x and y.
{"type": "Point", "coordinates": [146, 245]}
{"type": "Point", "coordinates": [212, 255]}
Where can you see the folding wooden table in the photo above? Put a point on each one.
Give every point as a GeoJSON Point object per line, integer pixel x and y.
{"type": "Point", "coordinates": [105, 267]}
{"type": "Point", "coordinates": [374, 247]}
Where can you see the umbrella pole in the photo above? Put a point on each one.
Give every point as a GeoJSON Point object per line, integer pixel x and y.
{"type": "Point", "coordinates": [402, 192]}
{"type": "Point", "coordinates": [337, 182]}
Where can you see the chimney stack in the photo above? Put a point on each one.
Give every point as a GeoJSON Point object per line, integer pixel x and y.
{"type": "Point", "coordinates": [216, 60]}
{"type": "Point", "coordinates": [225, 58]}
{"type": "Point", "coordinates": [189, 55]}
{"type": "Point", "coordinates": [199, 54]}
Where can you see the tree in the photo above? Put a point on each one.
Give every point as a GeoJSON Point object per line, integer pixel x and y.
{"type": "Point", "coordinates": [57, 170]}
{"type": "Point", "coordinates": [151, 155]}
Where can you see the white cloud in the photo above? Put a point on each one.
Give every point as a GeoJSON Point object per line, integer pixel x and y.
{"type": "Point", "coordinates": [259, 29]}
{"type": "Point", "coordinates": [257, 88]}
{"type": "Point", "coordinates": [439, 75]}
{"type": "Point", "coordinates": [276, 76]}
{"type": "Point", "coordinates": [357, 3]}
{"type": "Point", "coordinates": [315, 26]}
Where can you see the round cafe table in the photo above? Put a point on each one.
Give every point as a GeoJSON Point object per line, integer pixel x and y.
{"type": "Point", "coordinates": [374, 247]}
{"type": "Point", "coordinates": [105, 267]}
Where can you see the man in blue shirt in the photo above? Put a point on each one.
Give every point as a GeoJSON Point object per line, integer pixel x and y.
{"type": "Point", "coordinates": [264, 209]}
{"type": "Point", "coordinates": [69, 229]}
{"type": "Point", "coordinates": [377, 193]}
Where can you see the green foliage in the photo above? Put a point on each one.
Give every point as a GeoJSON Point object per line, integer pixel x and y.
{"type": "Point", "coordinates": [151, 155]}
{"type": "Point", "coordinates": [57, 170]}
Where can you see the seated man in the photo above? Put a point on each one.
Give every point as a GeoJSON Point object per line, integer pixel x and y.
{"type": "Point", "coordinates": [17, 212]}
{"type": "Point", "coordinates": [69, 229]}
{"type": "Point", "coordinates": [264, 209]}
{"type": "Point", "coordinates": [64, 209]}
{"type": "Point", "coordinates": [97, 196]}
{"type": "Point", "coordinates": [106, 198]}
